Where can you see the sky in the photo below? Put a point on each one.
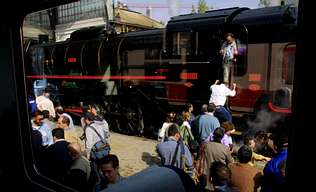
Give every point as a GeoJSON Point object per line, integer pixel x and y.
{"type": "Point", "coordinates": [162, 9]}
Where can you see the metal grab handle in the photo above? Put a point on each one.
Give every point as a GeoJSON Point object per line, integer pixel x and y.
{"type": "Point", "coordinates": [188, 62]}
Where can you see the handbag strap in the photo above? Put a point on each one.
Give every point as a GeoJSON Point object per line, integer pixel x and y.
{"type": "Point", "coordinates": [93, 128]}
{"type": "Point", "coordinates": [190, 133]}
{"type": "Point", "coordinates": [175, 154]}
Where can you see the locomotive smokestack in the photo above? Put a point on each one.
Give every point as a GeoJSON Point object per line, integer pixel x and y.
{"type": "Point", "coordinates": [173, 8]}
{"type": "Point", "coordinates": [148, 11]}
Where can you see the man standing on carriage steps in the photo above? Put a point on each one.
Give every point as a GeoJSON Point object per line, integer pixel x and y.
{"type": "Point", "coordinates": [218, 97]}
{"type": "Point", "coordinates": [228, 51]}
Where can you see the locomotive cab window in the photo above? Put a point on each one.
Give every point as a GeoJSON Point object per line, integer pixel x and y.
{"type": "Point", "coordinates": [181, 43]}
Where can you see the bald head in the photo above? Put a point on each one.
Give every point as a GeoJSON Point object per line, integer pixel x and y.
{"type": "Point", "coordinates": [74, 150]}
{"type": "Point", "coordinates": [204, 108]}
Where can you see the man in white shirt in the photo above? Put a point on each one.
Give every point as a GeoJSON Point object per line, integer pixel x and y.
{"type": "Point", "coordinates": [44, 103]}
{"type": "Point", "coordinates": [219, 96]}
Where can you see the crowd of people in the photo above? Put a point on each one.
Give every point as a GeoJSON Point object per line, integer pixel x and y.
{"type": "Point", "coordinates": [63, 155]}
{"type": "Point", "coordinates": [202, 146]}
{"type": "Point", "coordinates": [217, 162]}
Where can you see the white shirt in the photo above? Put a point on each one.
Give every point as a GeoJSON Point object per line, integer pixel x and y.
{"type": "Point", "coordinates": [92, 137]}
{"type": "Point", "coordinates": [186, 123]}
{"type": "Point", "coordinates": [220, 93]}
{"type": "Point", "coordinates": [163, 132]}
{"type": "Point", "coordinates": [44, 103]}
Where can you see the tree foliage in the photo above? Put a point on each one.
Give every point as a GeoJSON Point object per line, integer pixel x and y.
{"type": "Point", "coordinates": [267, 3]}
{"type": "Point", "coordinates": [264, 3]}
{"type": "Point", "coordinates": [294, 2]}
{"type": "Point", "coordinates": [202, 7]}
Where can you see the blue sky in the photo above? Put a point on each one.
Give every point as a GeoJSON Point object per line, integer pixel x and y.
{"type": "Point", "coordinates": [161, 12]}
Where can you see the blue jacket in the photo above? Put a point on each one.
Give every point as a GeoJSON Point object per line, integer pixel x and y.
{"type": "Point", "coordinates": [207, 125]}
{"type": "Point", "coordinates": [273, 179]}
{"type": "Point", "coordinates": [167, 149]}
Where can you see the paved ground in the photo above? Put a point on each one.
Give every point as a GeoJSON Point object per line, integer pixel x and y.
{"type": "Point", "coordinates": [134, 153]}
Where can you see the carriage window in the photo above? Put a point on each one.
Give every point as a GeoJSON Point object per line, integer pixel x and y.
{"type": "Point", "coordinates": [181, 43]}
{"type": "Point", "coordinates": [134, 78]}
{"type": "Point", "coordinates": [65, 73]}
{"type": "Point", "coordinates": [152, 53]}
{"type": "Point", "coordinates": [288, 64]}
{"type": "Point", "coordinates": [37, 58]}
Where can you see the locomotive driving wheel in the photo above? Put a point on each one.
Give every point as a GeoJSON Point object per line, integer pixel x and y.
{"type": "Point", "coordinates": [132, 122]}
{"type": "Point", "coordinates": [126, 119]}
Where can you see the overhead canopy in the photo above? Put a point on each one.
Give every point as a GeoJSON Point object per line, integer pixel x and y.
{"type": "Point", "coordinates": [136, 19]}
{"type": "Point", "coordinates": [34, 32]}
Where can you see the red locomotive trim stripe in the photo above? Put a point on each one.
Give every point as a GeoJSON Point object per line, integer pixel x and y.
{"type": "Point", "coordinates": [278, 109]}
{"type": "Point", "coordinates": [74, 111]}
{"type": "Point", "coordinates": [129, 77]}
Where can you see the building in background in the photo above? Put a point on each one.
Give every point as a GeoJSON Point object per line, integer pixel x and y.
{"type": "Point", "coordinates": [58, 23]}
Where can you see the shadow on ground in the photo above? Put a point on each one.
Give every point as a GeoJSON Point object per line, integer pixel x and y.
{"type": "Point", "coordinates": [150, 159]}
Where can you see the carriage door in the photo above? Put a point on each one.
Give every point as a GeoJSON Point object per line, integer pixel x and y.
{"type": "Point", "coordinates": [238, 69]}
{"type": "Point", "coordinates": [240, 35]}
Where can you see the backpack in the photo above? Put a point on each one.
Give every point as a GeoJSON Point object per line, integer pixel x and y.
{"type": "Point", "coordinates": [100, 149]}
{"type": "Point", "coordinates": [183, 160]}
{"type": "Point", "coordinates": [188, 139]}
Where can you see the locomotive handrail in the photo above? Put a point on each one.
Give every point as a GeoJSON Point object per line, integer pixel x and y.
{"type": "Point", "coordinates": [230, 18]}
{"type": "Point", "coordinates": [189, 62]}
{"type": "Point", "coordinates": [149, 99]}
